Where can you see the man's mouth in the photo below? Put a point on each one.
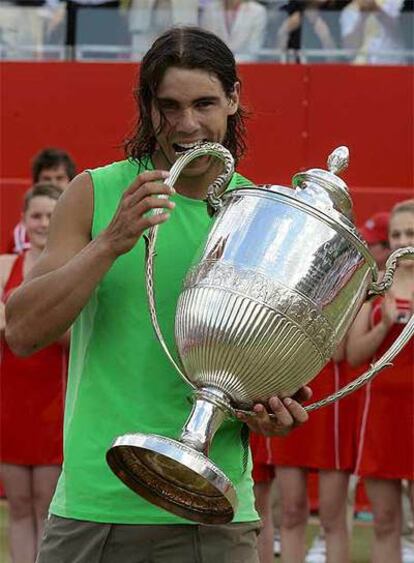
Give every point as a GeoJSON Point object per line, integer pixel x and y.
{"type": "Point", "coordinates": [180, 148]}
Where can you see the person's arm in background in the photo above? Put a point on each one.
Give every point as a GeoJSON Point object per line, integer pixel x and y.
{"type": "Point", "coordinates": [292, 22]}
{"type": "Point", "coordinates": [388, 10]}
{"type": "Point", "coordinates": [61, 282]}
{"type": "Point", "coordinates": [6, 264]}
{"type": "Point", "coordinates": [364, 341]}
{"type": "Point", "coordinates": [339, 353]}
{"type": "Point", "coordinates": [320, 28]}
{"type": "Point", "coordinates": [352, 22]}
{"type": "Point", "coordinates": [257, 30]}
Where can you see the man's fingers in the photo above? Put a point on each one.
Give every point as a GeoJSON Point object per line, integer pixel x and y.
{"type": "Point", "coordinates": [148, 176]}
{"type": "Point", "coordinates": [303, 394]}
{"type": "Point", "coordinates": [153, 202]}
{"type": "Point", "coordinates": [297, 412]}
{"type": "Point", "coordinates": [147, 190]}
{"type": "Point", "coordinates": [281, 411]}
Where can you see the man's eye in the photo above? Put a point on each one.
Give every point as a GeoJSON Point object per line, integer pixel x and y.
{"type": "Point", "coordinates": [204, 104]}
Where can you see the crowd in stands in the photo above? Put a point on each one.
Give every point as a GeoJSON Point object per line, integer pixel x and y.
{"type": "Point", "coordinates": [357, 31]}
{"type": "Point", "coordinates": [368, 435]}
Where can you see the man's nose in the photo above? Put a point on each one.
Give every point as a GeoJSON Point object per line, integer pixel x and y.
{"type": "Point", "coordinates": [188, 122]}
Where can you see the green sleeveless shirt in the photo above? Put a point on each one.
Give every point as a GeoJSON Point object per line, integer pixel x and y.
{"type": "Point", "coordinates": [120, 380]}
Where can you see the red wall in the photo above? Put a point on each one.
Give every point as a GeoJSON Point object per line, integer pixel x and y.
{"type": "Point", "coordinates": [299, 114]}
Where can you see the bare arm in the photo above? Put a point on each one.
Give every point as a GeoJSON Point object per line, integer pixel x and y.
{"type": "Point", "coordinates": [72, 265]}
{"type": "Point", "coordinates": [364, 341]}
{"type": "Point", "coordinates": [6, 264]}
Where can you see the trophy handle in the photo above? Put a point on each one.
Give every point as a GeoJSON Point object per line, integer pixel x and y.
{"type": "Point", "coordinates": [377, 288]}
{"type": "Point", "coordinates": [375, 368]}
{"type": "Point", "coordinates": [214, 203]}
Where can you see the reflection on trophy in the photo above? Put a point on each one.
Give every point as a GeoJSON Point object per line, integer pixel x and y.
{"type": "Point", "coordinates": [273, 292]}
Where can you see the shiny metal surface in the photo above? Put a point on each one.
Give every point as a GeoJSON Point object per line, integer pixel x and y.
{"type": "Point", "coordinates": [270, 296]}
{"type": "Point", "coordinates": [273, 294]}
{"type": "Point", "coordinates": [173, 476]}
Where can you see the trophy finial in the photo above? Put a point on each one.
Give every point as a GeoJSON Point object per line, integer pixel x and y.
{"type": "Point", "coordinates": [338, 160]}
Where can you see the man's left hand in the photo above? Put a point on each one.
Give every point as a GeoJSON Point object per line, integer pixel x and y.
{"type": "Point", "coordinates": [288, 414]}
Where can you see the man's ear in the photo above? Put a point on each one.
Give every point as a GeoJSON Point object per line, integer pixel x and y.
{"type": "Point", "coordinates": [234, 99]}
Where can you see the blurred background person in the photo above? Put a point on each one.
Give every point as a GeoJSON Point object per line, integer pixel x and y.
{"type": "Point", "coordinates": [31, 398]}
{"type": "Point", "coordinates": [239, 23]}
{"type": "Point", "coordinates": [50, 165]}
{"type": "Point", "coordinates": [386, 436]}
{"type": "Point", "coordinates": [375, 232]}
{"type": "Point", "coordinates": [372, 29]}
{"type": "Point", "coordinates": [310, 12]}
{"type": "Point", "coordinates": [149, 18]}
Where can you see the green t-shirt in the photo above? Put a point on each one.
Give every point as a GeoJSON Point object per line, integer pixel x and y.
{"type": "Point", "coordinates": [120, 380]}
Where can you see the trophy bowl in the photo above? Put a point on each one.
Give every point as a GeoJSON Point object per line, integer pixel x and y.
{"type": "Point", "coordinates": [273, 292]}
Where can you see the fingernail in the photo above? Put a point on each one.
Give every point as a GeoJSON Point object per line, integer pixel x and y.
{"type": "Point", "coordinates": [288, 401]}
{"type": "Point", "coordinates": [172, 190]}
{"type": "Point", "coordinates": [164, 174]}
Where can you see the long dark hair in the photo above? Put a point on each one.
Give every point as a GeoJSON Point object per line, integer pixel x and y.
{"type": "Point", "coordinates": [190, 48]}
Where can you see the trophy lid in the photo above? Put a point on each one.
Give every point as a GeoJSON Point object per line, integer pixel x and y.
{"type": "Point", "coordinates": [325, 185]}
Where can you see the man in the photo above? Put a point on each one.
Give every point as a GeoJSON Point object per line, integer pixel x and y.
{"type": "Point", "coordinates": [119, 380]}
{"type": "Point", "coordinates": [53, 166]}
{"type": "Point", "coordinates": [49, 166]}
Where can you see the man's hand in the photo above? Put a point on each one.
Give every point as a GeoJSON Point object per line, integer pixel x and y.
{"type": "Point", "coordinates": [134, 215]}
{"type": "Point", "coordinates": [288, 414]}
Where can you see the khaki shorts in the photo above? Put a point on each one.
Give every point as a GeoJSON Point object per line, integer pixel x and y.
{"type": "Point", "coordinates": [76, 541]}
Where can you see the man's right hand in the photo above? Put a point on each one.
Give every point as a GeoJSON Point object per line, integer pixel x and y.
{"type": "Point", "coordinates": [134, 214]}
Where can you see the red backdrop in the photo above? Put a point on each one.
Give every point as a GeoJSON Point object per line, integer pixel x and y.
{"type": "Point", "coordinates": [299, 114]}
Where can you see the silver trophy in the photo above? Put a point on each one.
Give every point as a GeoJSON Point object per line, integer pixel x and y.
{"type": "Point", "coordinates": [279, 281]}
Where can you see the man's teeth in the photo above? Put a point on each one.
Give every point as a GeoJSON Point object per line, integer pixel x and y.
{"type": "Point", "coordinates": [187, 146]}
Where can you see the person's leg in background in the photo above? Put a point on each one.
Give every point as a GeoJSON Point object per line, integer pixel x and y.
{"type": "Point", "coordinates": [43, 486]}
{"type": "Point", "coordinates": [276, 516]}
{"type": "Point", "coordinates": [262, 493]}
{"type": "Point", "coordinates": [292, 483]}
{"type": "Point", "coordinates": [333, 494]}
{"type": "Point", "coordinates": [385, 499]}
{"type": "Point", "coordinates": [17, 483]}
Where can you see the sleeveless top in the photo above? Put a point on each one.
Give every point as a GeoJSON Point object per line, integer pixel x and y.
{"type": "Point", "coordinates": [120, 380]}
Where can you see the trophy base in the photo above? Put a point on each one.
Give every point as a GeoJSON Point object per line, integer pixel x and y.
{"type": "Point", "coordinates": [173, 476]}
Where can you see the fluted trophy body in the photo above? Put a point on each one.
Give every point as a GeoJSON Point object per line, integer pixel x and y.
{"type": "Point", "coordinates": [270, 296]}
{"type": "Point", "coordinates": [259, 311]}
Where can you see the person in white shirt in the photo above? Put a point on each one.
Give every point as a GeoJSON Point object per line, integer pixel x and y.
{"type": "Point", "coordinates": [372, 28]}
{"type": "Point", "coordinates": [241, 24]}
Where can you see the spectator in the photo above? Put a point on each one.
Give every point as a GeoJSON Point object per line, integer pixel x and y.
{"type": "Point", "coordinates": [371, 28]}
{"type": "Point", "coordinates": [375, 233]}
{"type": "Point", "coordinates": [50, 165]}
{"type": "Point", "coordinates": [149, 18]}
{"type": "Point", "coordinates": [239, 23]}
{"type": "Point", "coordinates": [289, 35]}
{"type": "Point", "coordinates": [387, 413]}
{"type": "Point", "coordinates": [31, 398]}
{"type": "Point", "coordinates": [25, 25]}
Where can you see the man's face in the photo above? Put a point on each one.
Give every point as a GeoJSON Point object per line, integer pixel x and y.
{"type": "Point", "coordinates": [196, 109]}
{"type": "Point", "coordinates": [57, 176]}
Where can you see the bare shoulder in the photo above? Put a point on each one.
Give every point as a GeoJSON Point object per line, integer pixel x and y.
{"type": "Point", "coordinates": [6, 264]}
{"type": "Point", "coordinates": [70, 227]}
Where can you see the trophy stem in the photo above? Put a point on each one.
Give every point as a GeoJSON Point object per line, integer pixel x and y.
{"type": "Point", "coordinates": [210, 408]}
